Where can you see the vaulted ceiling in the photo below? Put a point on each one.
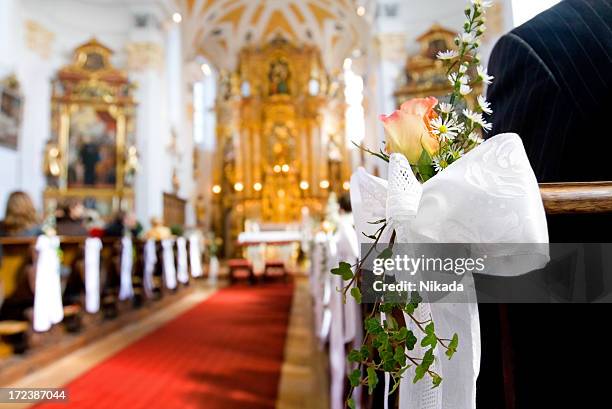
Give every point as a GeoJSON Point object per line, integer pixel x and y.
{"type": "Point", "coordinates": [218, 29]}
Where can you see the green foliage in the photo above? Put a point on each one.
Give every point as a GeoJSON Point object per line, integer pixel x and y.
{"type": "Point", "coordinates": [425, 167]}
{"type": "Point", "coordinates": [356, 294]}
{"type": "Point", "coordinates": [452, 347]}
{"type": "Point", "coordinates": [343, 270]}
{"type": "Point", "coordinates": [372, 379]}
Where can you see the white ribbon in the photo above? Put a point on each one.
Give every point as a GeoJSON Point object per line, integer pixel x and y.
{"type": "Point", "coordinates": [169, 267]}
{"type": "Point", "coordinates": [195, 258]}
{"type": "Point", "coordinates": [93, 245]}
{"type": "Point", "coordinates": [126, 290]}
{"type": "Point", "coordinates": [48, 308]}
{"type": "Point", "coordinates": [182, 273]}
{"type": "Point", "coordinates": [150, 260]}
{"type": "Point", "coordinates": [488, 196]}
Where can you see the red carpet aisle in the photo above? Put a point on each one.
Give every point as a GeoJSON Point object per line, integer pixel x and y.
{"type": "Point", "coordinates": [225, 353]}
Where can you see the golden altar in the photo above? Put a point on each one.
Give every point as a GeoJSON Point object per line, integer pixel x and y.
{"type": "Point", "coordinates": [280, 138]}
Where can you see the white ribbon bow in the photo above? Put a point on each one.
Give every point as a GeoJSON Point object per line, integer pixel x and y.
{"type": "Point", "coordinates": [182, 267]}
{"type": "Point", "coordinates": [48, 308]}
{"type": "Point", "coordinates": [126, 289]}
{"type": "Point", "coordinates": [488, 196]}
{"type": "Point", "coordinates": [150, 256]}
{"type": "Point", "coordinates": [93, 245]}
{"type": "Point", "coordinates": [169, 267]}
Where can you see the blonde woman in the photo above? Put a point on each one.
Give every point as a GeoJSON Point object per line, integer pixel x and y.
{"type": "Point", "coordinates": [21, 218]}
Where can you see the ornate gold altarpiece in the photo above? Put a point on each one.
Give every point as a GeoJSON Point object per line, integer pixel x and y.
{"type": "Point", "coordinates": [425, 75]}
{"type": "Point", "coordinates": [280, 138]}
{"type": "Point", "coordinates": [92, 154]}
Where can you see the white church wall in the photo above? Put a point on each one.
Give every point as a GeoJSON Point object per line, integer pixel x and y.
{"type": "Point", "coordinates": [37, 37]}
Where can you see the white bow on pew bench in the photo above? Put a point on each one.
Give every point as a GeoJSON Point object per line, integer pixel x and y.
{"type": "Point", "coordinates": [93, 246]}
{"type": "Point", "coordinates": [168, 263]}
{"type": "Point", "coordinates": [48, 308]}
{"type": "Point", "coordinates": [195, 259]}
{"type": "Point", "coordinates": [150, 257]}
{"type": "Point", "coordinates": [182, 272]}
{"type": "Point", "coordinates": [126, 289]}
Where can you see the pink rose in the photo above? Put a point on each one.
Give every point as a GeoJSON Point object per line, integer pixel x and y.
{"type": "Point", "coordinates": [408, 130]}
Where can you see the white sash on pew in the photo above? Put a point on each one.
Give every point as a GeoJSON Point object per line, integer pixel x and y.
{"type": "Point", "coordinates": [213, 270]}
{"type": "Point", "coordinates": [150, 260]}
{"type": "Point", "coordinates": [182, 273]}
{"type": "Point", "coordinates": [169, 267]}
{"type": "Point", "coordinates": [126, 290]}
{"type": "Point", "coordinates": [93, 245]}
{"type": "Point", "coordinates": [337, 357]}
{"type": "Point", "coordinates": [195, 259]}
{"type": "Point", "coordinates": [48, 308]}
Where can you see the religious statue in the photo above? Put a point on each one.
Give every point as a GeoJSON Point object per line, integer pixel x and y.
{"type": "Point", "coordinates": [279, 77]}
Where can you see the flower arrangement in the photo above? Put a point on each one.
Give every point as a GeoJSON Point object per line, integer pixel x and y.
{"type": "Point", "coordinates": [431, 135]}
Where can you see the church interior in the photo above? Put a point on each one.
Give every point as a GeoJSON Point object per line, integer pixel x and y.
{"type": "Point", "coordinates": [177, 162]}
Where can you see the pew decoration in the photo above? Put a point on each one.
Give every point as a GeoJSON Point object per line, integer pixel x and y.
{"type": "Point", "coordinates": [48, 308]}
{"type": "Point", "coordinates": [169, 268]}
{"type": "Point", "coordinates": [195, 258]}
{"type": "Point", "coordinates": [126, 288]}
{"type": "Point", "coordinates": [93, 246]}
{"type": "Point", "coordinates": [150, 256]}
{"type": "Point", "coordinates": [182, 272]}
{"type": "Point", "coordinates": [445, 186]}
{"type": "Point", "coordinates": [72, 274]}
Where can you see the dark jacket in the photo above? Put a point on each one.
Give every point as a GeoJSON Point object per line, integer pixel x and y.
{"type": "Point", "coordinates": [553, 86]}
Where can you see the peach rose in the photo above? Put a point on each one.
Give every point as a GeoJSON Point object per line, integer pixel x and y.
{"type": "Point", "coordinates": [408, 130]}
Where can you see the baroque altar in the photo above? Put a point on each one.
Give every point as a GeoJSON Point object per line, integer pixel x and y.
{"type": "Point", "coordinates": [92, 154]}
{"type": "Point", "coordinates": [280, 138]}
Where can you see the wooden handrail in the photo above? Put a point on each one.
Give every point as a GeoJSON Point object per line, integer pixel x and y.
{"type": "Point", "coordinates": [577, 197]}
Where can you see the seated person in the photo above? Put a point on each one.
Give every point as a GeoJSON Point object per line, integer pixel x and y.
{"type": "Point", "coordinates": [122, 223]}
{"type": "Point", "coordinates": [158, 231]}
{"type": "Point", "coordinates": [21, 218]}
{"type": "Point", "coordinates": [70, 219]}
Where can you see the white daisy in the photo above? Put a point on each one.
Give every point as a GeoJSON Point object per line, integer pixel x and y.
{"type": "Point", "coordinates": [483, 75]}
{"type": "Point", "coordinates": [463, 68]}
{"type": "Point", "coordinates": [439, 163]}
{"type": "Point", "coordinates": [482, 3]}
{"type": "Point", "coordinates": [446, 130]}
{"type": "Point", "coordinates": [472, 116]}
{"type": "Point", "coordinates": [445, 107]}
{"type": "Point", "coordinates": [454, 153]}
{"type": "Point", "coordinates": [486, 125]}
{"type": "Point", "coordinates": [453, 78]}
{"type": "Point", "coordinates": [475, 137]}
{"type": "Point", "coordinates": [465, 89]}
{"type": "Point", "coordinates": [467, 38]}
{"type": "Point", "coordinates": [485, 106]}
{"type": "Point", "coordinates": [447, 55]}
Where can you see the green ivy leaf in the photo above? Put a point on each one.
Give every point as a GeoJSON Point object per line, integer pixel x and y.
{"type": "Point", "coordinates": [400, 355]}
{"type": "Point", "coordinates": [373, 326]}
{"type": "Point", "coordinates": [430, 339]}
{"type": "Point", "coordinates": [411, 341]}
{"type": "Point", "coordinates": [436, 380]}
{"type": "Point", "coordinates": [452, 346]}
{"type": "Point", "coordinates": [401, 334]}
{"type": "Point", "coordinates": [385, 254]}
{"type": "Point", "coordinates": [350, 403]}
{"type": "Point", "coordinates": [343, 270]}
{"type": "Point", "coordinates": [372, 380]}
{"type": "Point", "coordinates": [425, 167]}
{"type": "Point", "coordinates": [365, 352]}
{"type": "Point", "coordinates": [354, 356]}
{"type": "Point", "coordinates": [428, 359]}
{"type": "Point", "coordinates": [413, 304]}
{"type": "Point", "coordinates": [419, 373]}
{"type": "Point", "coordinates": [355, 378]}
{"type": "Point", "coordinates": [356, 293]}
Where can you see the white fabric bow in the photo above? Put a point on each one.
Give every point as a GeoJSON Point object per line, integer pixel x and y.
{"type": "Point", "coordinates": [488, 196]}
{"type": "Point", "coordinates": [126, 289]}
{"type": "Point", "coordinates": [150, 255]}
{"type": "Point", "coordinates": [182, 269]}
{"type": "Point", "coordinates": [48, 308]}
{"type": "Point", "coordinates": [93, 245]}
{"type": "Point", "coordinates": [169, 267]}
{"type": "Point", "coordinates": [195, 259]}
